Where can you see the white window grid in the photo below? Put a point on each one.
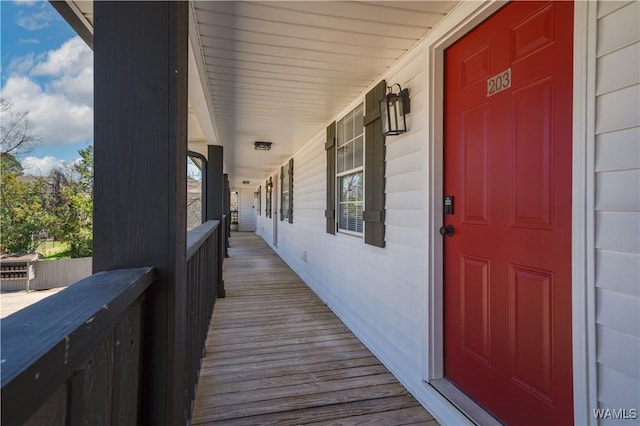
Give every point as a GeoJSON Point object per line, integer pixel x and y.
{"type": "Point", "coordinates": [350, 162]}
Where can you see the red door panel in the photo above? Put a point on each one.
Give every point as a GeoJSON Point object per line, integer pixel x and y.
{"type": "Point", "coordinates": [507, 160]}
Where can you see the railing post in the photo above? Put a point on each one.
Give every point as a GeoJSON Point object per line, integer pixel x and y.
{"type": "Point", "coordinates": [227, 211]}
{"type": "Point", "coordinates": [220, 291]}
{"type": "Point", "coordinates": [140, 98]}
{"type": "Point", "coordinates": [215, 204]}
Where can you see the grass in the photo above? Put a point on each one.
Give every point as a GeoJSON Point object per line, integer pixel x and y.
{"type": "Point", "coordinates": [52, 250]}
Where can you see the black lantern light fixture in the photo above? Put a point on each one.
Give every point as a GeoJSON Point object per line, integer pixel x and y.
{"type": "Point", "coordinates": [393, 109]}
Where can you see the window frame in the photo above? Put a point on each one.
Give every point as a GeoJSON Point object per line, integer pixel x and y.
{"type": "Point", "coordinates": [259, 203]}
{"type": "Point", "coordinates": [286, 180]}
{"type": "Point", "coordinates": [268, 197]}
{"type": "Point", "coordinates": [352, 171]}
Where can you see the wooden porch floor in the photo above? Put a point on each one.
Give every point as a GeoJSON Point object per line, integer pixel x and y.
{"type": "Point", "coordinates": [277, 355]}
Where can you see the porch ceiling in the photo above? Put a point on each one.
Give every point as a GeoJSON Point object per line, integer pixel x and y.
{"type": "Point", "coordinates": [280, 71]}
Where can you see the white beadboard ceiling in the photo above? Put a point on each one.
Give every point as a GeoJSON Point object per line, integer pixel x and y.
{"type": "Point", "coordinates": [280, 71]}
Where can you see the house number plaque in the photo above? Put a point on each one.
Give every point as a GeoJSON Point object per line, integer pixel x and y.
{"type": "Point", "coordinates": [499, 82]}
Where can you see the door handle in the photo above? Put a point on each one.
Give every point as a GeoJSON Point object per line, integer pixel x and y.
{"type": "Point", "coordinates": [446, 231]}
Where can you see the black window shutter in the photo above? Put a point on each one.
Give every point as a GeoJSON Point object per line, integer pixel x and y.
{"type": "Point", "coordinates": [266, 198]}
{"type": "Point", "coordinates": [291, 191]}
{"type": "Point", "coordinates": [281, 192]}
{"type": "Point", "coordinates": [330, 147]}
{"type": "Point", "coordinates": [374, 168]}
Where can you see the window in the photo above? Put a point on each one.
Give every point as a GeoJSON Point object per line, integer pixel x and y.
{"type": "Point", "coordinates": [259, 202]}
{"type": "Point", "coordinates": [267, 201]}
{"type": "Point", "coordinates": [347, 174]}
{"type": "Point", "coordinates": [350, 170]}
{"type": "Point", "coordinates": [286, 191]}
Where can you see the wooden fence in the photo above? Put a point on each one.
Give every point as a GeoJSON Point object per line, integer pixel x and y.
{"type": "Point", "coordinates": [52, 274]}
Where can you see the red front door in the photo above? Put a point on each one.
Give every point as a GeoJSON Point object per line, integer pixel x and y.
{"type": "Point", "coordinates": [507, 154]}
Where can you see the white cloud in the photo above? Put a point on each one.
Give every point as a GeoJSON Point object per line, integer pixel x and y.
{"type": "Point", "coordinates": [28, 41]}
{"type": "Point", "coordinates": [72, 56]}
{"type": "Point", "coordinates": [193, 171]}
{"type": "Point", "coordinates": [56, 89]}
{"type": "Point", "coordinates": [35, 21]}
{"type": "Point", "coordinates": [21, 64]}
{"type": "Point", "coordinates": [40, 166]}
{"type": "Point", "coordinates": [27, 2]}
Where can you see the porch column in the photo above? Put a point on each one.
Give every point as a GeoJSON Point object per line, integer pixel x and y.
{"type": "Point", "coordinates": [140, 97]}
{"type": "Point", "coordinates": [215, 205]}
{"type": "Point", "coordinates": [215, 182]}
{"type": "Point", "coordinates": [226, 203]}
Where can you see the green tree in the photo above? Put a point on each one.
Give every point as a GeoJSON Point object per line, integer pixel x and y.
{"type": "Point", "coordinates": [72, 202]}
{"type": "Point", "coordinates": [84, 169]}
{"type": "Point", "coordinates": [10, 165]}
{"type": "Point", "coordinates": [23, 213]}
{"type": "Point", "coordinates": [75, 220]}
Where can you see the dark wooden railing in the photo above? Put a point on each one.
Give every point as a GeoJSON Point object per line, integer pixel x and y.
{"type": "Point", "coordinates": [77, 357]}
{"type": "Point", "coordinates": [74, 357]}
{"type": "Point", "coordinates": [204, 263]}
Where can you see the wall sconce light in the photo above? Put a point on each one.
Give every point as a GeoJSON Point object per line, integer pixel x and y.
{"type": "Point", "coordinates": [393, 108]}
{"type": "Point", "coordinates": [262, 146]}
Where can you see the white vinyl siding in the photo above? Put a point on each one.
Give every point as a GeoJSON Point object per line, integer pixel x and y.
{"type": "Point", "coordinates": [377, 293]}
{"type": "Point", "coordinates": [380, 294]}
{"type": "Point", "coordinates": [617, 204]}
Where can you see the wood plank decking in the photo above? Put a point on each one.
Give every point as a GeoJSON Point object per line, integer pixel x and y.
{"type": "Point", "coordinates": [277, 355]}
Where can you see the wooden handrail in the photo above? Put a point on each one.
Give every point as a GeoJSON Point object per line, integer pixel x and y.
{"type": "Point", "coordinates": [46, 344]}
{"type": "Point", "coordinates": [197, 236]}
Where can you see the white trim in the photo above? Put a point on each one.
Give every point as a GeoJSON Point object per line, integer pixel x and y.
{"type": "Point", "coordinates": [201, 67]}
{"type": "Point", "coordinates": [463, 19]}
{"type": "Point", "coordinates": [76, 10]}
{"type": "Point", "coordinates": [583, 211]}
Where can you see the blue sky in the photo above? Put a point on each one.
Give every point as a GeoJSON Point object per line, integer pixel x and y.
{"type": "Point", "coordinates": [47, 71]}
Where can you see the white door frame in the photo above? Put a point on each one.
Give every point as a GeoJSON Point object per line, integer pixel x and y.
{"type": "Point", "coordinates": [463, 19]}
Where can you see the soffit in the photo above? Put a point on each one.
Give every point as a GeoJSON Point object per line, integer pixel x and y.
{"type": "Point", "coordinates": [281, 71]}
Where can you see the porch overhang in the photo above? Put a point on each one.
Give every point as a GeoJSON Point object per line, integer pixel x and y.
{"type": "Point", "coordinates": [281, 71]}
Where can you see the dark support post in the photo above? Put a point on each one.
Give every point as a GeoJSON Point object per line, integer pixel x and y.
{"type": "Point", "coordinates": [215, 182]}
{"type": "Point", "coordinates": [215, 205]}
{"type": "Point", "coordinates": [227, 211]}
{"type": "Point", "coordinates": [140, 98]}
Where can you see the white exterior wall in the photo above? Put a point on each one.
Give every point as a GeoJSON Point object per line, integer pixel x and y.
{"type": "Point", "coordinates": [380, 293]}
{"type": "Point", "coordinates": [377, 292]}
{"type": "Point", "coordinates": [246, 210]}
{"type": "Point", "coordinates": [264, 225]}
{"type": "Point", "coordinates": [617, 205]}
